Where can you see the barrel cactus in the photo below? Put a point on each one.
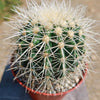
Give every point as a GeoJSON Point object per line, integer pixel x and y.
{"type": "Point", "coordinates": [51, 46]}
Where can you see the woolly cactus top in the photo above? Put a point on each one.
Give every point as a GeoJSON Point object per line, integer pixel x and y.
{"type": "Point", "coordinates": [51, 45]}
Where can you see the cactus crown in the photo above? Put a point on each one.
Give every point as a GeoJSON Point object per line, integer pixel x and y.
{"type": "Point", "coordinates": [51, 43]}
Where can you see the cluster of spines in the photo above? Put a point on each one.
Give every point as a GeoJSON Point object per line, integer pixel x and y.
{"type": "Point", "coordinates": [48, 50]}
{"type": "Point", "coordinates": [49, 53]}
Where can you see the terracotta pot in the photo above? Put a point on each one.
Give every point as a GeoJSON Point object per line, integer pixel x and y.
{"type": "Point", "coordinates": [44, 96]}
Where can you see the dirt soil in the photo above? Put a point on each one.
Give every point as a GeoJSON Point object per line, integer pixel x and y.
{"type": "Point", "coordinates": [93, 79]}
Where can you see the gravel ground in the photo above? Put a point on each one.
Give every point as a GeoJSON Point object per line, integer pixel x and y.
{"type": "Point", "coordinates": [93, 79]}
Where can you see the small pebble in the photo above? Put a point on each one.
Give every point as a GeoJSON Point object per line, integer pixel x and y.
{"type": "Point", "coordinates": [73, 85]}
{"type": "Point", "coordinates": [66, 85]}
{"type": "Point", "coordinates": [69, 87]}
{"type": "Point", "coordinates": [68, 81]}
{"type": "Point", "coordinates": [76, 79]}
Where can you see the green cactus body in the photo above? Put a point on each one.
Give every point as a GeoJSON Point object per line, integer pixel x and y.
{"type": "Point", "coordinates": [57, 56]}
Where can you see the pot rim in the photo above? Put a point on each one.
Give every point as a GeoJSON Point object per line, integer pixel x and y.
{"type": "Point", "coordinates": [47, 94]}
